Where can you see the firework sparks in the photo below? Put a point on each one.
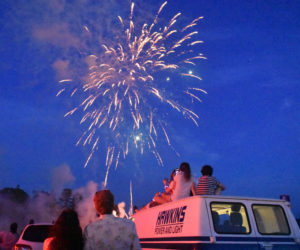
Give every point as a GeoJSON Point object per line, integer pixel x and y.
{"type": "Point", "coordinates": [121, 92]}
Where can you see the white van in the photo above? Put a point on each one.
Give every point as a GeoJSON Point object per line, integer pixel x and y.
{"type": "Point", "coordinates": [218, 222]}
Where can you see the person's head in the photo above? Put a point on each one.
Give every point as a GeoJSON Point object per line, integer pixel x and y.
{"type": "Point", "coordinates": [207, 170]}
{"type": "Point", "coordinates": [13, 227]}
{"type": "Point", "coordinates": [236, 207]}
{"type": "Point", "coordinates": [104, 201]}
{"type": "Point", "coordinates": [67, 231]}
{"type": "Point", "coordinates": [185, 168]}
{"type": "Point", "coordinates": [174, 172]}
{"type": "Point", "coordinates": [165, 181]}
{"type": "Point", "coordinates": [67, 218]}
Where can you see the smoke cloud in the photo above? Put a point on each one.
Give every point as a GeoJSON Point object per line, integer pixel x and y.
{"type": "Point", "coordinates": [85, 208]}
{"type": "Point", "coordinates": [60, 177]}
{"type": "Point", "coordinates": [61, 68]}
{"type": "Point", "coordinates": [44, 207]}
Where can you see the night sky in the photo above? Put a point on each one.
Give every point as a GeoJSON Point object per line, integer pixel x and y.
{"type": "Point", "coordinates": [249, 122]}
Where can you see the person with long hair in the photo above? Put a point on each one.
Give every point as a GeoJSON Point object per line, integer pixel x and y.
{"type": "Point", "coordinates": [66, 233]}
{"type": "Point", "coordinates": [181, 186]}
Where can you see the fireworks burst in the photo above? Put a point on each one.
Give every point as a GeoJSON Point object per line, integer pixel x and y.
{"type": "Point", "coordinates": [121, 92]}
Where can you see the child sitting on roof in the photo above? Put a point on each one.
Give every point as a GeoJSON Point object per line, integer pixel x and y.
{"type": "Point", "coordinates": [207, 184]}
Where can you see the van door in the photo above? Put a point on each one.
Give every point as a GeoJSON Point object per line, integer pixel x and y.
{"type": "Point", "coordinates": [231, 227]}
{"type": "Point", "coordinates": [272, 226]}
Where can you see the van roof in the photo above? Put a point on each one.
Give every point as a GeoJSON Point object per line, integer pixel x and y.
{"type": "Point", "coordinates": [237, 198]}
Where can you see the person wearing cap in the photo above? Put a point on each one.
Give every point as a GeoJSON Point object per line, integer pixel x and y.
{"type": "Point", "coordinates": [109, 232]}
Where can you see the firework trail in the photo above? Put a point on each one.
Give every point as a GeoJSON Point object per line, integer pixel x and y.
{"type": "Point", "coordinates": [121, 93]}
{"type": "Point", "coordinates": [131, 201]}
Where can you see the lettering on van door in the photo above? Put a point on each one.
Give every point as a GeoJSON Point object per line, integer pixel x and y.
{"type": "Point", "coordinates": [170, 221]}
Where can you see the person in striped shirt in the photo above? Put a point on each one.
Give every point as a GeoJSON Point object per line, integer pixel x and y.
{"type": "Point", "coordinates": [207, 184]}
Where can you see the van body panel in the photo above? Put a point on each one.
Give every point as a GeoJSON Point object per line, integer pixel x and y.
{"type": "Point", "coordinates": [190, 223]}
{"type": "Point", "coordinates": [174, 219]}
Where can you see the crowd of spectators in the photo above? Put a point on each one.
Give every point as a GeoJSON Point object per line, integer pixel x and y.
{"type": "Point", "coordinates": [109, 232]}
{"type": "Point", "coordinates": [117, 232]}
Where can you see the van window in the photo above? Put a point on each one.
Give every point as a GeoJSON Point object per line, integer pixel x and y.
{"type": "Point", "coordinates": [230, 218]}
{"type": "Point", "coordinates": [270, 219]}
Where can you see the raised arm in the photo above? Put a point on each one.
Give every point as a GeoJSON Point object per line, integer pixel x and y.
{"type": "Point", "coordinates": [193, 188]}
{"type": "Point", "coordinates": [171, 187]}
{"type": "Point", "coordinates": [220, 185]}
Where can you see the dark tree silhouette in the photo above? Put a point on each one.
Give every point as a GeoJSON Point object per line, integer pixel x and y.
{"type": "Point", "coordinates": [14, 194]}
{"type": "Point", "coordinates": [66, 199]}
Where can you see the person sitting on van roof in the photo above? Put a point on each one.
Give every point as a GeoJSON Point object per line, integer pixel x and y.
{"type": "Point", "coordinates": [167, 183]}
{"type": "Point", "coordinates": [163, 196]}
{"type": "Point", "coordinates": [180, 187]}
{"type": "Point", "coordinates": [207, 184]}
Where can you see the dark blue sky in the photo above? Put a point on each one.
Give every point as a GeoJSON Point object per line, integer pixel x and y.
{"type": "Point", "coordinates": [249, 121]}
